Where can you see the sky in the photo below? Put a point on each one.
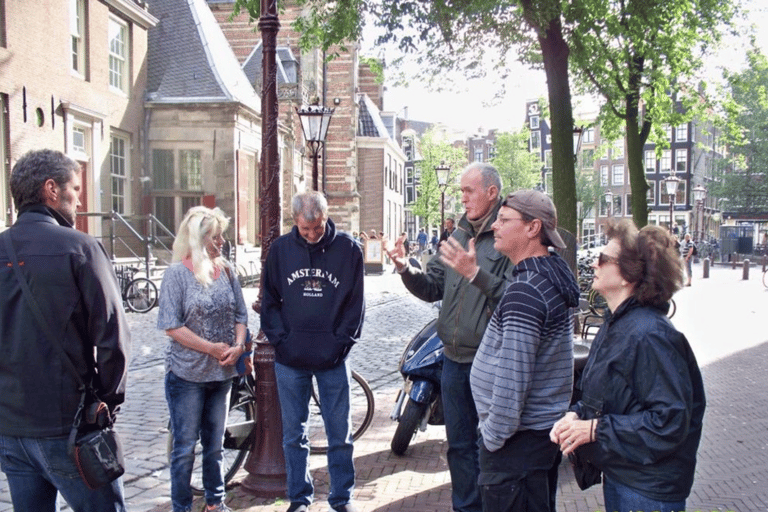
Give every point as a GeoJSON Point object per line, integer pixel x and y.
{"type": "Point", "coordinates": [472, 107]}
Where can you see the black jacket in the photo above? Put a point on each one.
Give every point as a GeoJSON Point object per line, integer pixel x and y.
{"type": "Point", "coordinates": [642, 381]}
{"type": "Point", "coordinates": [313, 305]}
{"type": "Point", "coordinates": [73, 281]}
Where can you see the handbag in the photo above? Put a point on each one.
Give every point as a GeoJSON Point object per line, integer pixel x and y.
{"type": "Point", "coordinates": [93, 444]}
{"type": "Point", "coordinates": [586, 473]}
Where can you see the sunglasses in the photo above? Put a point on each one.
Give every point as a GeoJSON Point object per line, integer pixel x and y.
{"type": "Point", "coordinates": [603, 258]}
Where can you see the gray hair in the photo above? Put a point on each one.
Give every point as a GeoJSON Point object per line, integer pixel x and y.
{"type": "Point", "coordinates": [34, 169]}
{"type": "Point", "coordinates": [310, 205]}
{"type": "Point", "coordinates": [488, 174]}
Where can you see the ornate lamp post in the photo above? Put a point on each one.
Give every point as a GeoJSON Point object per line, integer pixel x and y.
{"type": "Point", "coordinates": [266, 464]}
{"type": "Point", "coordinates": [671, 184]}
{"type": "Point", "coordinates": [314, 123]}
{"type": "Point", "coordinates": [699, 194]}
{"type": "Point", "coordinates": [442, 171]}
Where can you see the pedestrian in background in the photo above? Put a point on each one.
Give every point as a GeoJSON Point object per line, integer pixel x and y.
{"type": "Point", "coordinates": [522, 376]}
{"type": "Point", "coordinates": [421, 239]}
{"type": "Point", "coordinates": [470, 285]}
{"type": "Point", "coordinates": [312, 312]}
{"type": "Point", "coordinates": [203, 312]}
{"type": "Point", "coordinates": [687, 248]}
{"type": "Point", "coordinates": [73, 281]}
{"type": "Point", "coordinates": [640, 417]}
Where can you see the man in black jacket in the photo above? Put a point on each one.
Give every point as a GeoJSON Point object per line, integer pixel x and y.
{"type": "Point", "coordinates": [312, 312]}
{"type": "Point", "coordinates": [72, 280]}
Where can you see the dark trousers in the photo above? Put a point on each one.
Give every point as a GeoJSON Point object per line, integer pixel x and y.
{"type": "Point", "coordinates": [522, 475]}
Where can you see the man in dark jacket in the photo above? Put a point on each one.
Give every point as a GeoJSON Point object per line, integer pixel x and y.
{"type": "Point", "coordinates": [470, 287]}
{"type": "Point", "coordinates": [72, 280]}
{"type": "Point", "coordinates": [312, 312]}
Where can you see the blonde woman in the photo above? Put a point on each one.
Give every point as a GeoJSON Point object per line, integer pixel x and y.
{"type": "Point", "coordinates": [203, 312]}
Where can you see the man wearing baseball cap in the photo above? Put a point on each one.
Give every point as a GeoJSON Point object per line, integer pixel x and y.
{"type": "Point", "coordinates": [522, 375]}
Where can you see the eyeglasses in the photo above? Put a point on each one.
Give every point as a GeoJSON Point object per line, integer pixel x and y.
{"type": "Point", "coordinates": [603, 258]}
{"type": "Point", "coordinates": [503, 221]}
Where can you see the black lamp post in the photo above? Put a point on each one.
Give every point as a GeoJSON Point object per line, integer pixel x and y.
{"type": "Point", "coordinates": [699, 193]}
{"type": "Point", "coordinates": [314, 123]}
{"type": "Point", "coordinates": [671, 184]}
{"type": "Point", "coordinates": [442, 171]}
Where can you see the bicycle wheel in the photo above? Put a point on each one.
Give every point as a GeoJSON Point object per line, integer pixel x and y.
{"type": "Point", "coordinates": [141, 295]}
{"type": "Point", "coordinates": [597, 303]}
{"type": "Point", "coordinates": [238, 438]}
{"type": "Point", "coordinates": [361, 407]}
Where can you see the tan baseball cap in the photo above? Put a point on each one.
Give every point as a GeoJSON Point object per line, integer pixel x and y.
{"type": "Point", "coordinates": [539, 206]}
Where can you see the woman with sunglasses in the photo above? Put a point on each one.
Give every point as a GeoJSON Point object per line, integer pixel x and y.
{"type": "Point", "coordinates": [639, 419]}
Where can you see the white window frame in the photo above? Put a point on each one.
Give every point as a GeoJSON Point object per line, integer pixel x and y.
{"type": "Point", "coordinates": [534, 122]}
{"type": "Point", "coordinates": [618, 150]}
{"type": "Point", "coordinates": [478, 154]}
{"type": "Point", "coordinates": [678, 154]}
{"type": "Point", "coordinates": [681, 133]}
{"type": "Point", "coordinates": [535, 140]}
{"type": "Point", "coordinates": [604, 176]}
{"type": "Point", "coordinates": [118, 45]}
{"type": "Point", "coordinates": [588, 136]}
{"type": "Point", "coordinates": [617, 174]}
{"type": "Point", "coordinates": [650, 196]}
{"type": "Point", "coordinates": [650, 161]}
{"type": "Point", "coordinates": [668, 132]}
{"type": "Point", "coordinates": [119, 170]}
{"type": "Point", "coordinates": [77, 35]}
{"type": "Point", "coordinates": [665, 164]}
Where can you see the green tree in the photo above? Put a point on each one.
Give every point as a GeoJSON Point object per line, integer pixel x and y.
{"type": "Point", "coordinates": [641, 56]}
{"type": "Point", "coordinates": [435, 152]}
{"type": "Point", "coordinates": [518, 167]}
{"type": "Point", "coordinates": [743, 177]}
{"type": "Point", "coordinates": [460, 36]}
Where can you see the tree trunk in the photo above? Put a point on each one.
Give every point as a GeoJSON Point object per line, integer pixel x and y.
{"type": "Point", "coordinates": [555, 51]}
{"type": "Point", "coordinates": [635, 142]}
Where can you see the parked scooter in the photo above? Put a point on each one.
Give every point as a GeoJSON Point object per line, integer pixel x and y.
{"type": "Point", "coordinates": [421, 366]}
{"type": "Point", "coordinates": [419, 403]}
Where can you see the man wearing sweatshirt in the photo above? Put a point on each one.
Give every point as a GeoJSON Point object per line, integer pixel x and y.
{"type": "Point", "coordinates": [312, 312]}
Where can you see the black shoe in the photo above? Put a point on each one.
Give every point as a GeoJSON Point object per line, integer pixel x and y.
{"type": "Point", "coordinates": [297, 507]}
{"type": "Point", "coordinates": [345, 508]}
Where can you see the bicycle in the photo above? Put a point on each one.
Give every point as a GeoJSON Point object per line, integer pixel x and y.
{"type": "Point", "coordinates": [242, 425]}
{"type": "Point", "coordinates": [139, 294]}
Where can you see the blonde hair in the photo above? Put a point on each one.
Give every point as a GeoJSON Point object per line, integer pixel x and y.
{"type": "Point", "coordinates": [195, 231]}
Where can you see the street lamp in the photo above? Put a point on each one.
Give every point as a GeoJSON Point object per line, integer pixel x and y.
{"type": "Point", "coordinates": [671, 183]}
{"type": "Point", "coordinates": [699, 193]}
{"type": "Point", "coordinates": [578, 133]}
{"type": "Point", "coordinates": [442, 171]}
{"type": "Point", "coordinates": [314, 123]}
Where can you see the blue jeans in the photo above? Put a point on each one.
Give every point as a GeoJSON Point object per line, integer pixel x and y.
{"type": "Point", "coordinates": [295, 388]}
{"type": "Point", "coordinates": [620, 498]}
{"type": "Point", "coordinates": [461, 429]}
{"type": "Point", "coordinates": [39, 468]}
{"type": "Point", "coordinates": [196, 409]}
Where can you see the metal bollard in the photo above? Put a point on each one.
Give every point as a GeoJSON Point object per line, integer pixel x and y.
{"type": "Point", "coordinates": [266, 463]}
{"type": "Point", "coordinates": [745, 270]}
{"type": "Point", "coordinates": [705, 268]}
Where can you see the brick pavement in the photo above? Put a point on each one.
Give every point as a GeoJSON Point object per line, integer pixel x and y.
{"type": "Point", "coordinates": [732, 472]}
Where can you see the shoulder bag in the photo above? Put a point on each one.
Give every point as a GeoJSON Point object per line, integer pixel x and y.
{"type": "Point", "coordinates": [93, 443]}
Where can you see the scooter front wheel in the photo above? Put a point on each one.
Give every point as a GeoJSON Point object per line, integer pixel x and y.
{"type": "Point", "coordinates": [407, 425]}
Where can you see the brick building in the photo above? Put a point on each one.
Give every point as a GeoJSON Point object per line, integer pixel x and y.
{"type": "Point", "coordinates": [72, 78]}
